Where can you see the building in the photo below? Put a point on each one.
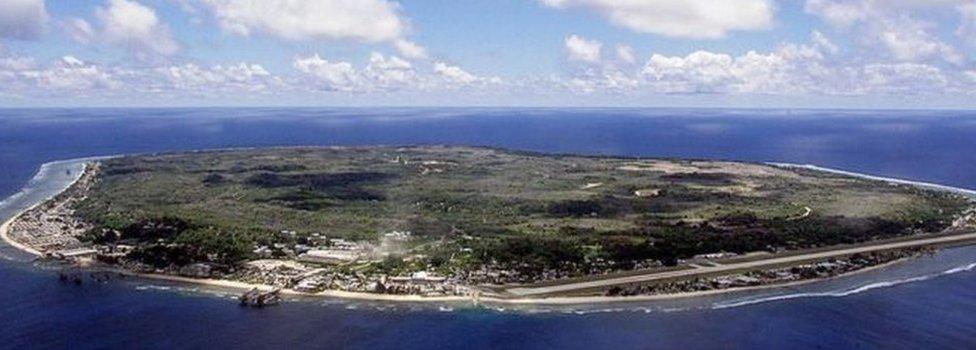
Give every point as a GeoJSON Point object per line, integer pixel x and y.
{"type": "Point", "coordinates": [329, 256]}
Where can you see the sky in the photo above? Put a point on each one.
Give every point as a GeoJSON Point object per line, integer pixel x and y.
{"type": "Point", "coordinates": [915, 54]}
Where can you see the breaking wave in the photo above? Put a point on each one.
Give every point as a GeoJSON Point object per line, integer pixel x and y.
{"type": "Point", "coordinates": [929, 185]}
{"type": "Point", "coordinates": [41, 177]}
{"type": "Point", "coordinates": [41, 173]}
{"type": "Point", "coordinates": [845, 292]}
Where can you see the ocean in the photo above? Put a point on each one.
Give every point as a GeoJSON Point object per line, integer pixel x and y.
{"type": "Point", "coordinates": [925, 303]}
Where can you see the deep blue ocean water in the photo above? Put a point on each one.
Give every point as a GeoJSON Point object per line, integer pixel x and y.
{"type": "Point", "coordinates": [909, 306]}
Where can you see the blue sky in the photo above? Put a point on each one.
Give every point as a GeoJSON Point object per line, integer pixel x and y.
{"type": "Point", "coordinates": [709, 53]}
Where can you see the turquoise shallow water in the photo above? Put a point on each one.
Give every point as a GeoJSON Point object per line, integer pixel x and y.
{"type": "Point", "coordinates": [930, 302]}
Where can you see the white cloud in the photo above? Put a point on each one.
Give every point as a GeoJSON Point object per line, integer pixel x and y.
{"type": "Point", "coordinates": [456, 76]}
{"type": "Point", "coordinates": [823, 42]}
{"type": "Point", "coordinates": [583, 50]}
{"type": "Point", "coordinates": [22, 19]}
{"type": "Point", "coordinates": [219, 78]}
{"type": "Point", "coordinates": [839, 14]}
{"type": "Point", "coordinates": [70, 74]}
{"type": "Point", "coordinates": [971, 75]}
{"type": "Point", "coordinates": [895, 26]}
{"type": "Point", "coordinates": [910, 40]}
{"type": "Point", "coordinates": [72, 61]}
{"type": "Point", "coordinates": [904, 78]}
{"type": "Point", "coordinates": [790, 69]}
{"type": "Point", "coordinates": [383, 74]}
{"type": "Point", "coordinates": [700, 71]}
{"type": "Point", "coordinates": [967, 25]}
{"type": "Point", "coordinates": [79, 30]}
{"type": "Point", "coordinates": [454, 73]}
{"type": "Point", "coordinates": [699, 19]}
{"type": "Point", "coordinates": [72, 77]}
{"type": "Point", "coordinates": [13, 64]}
{"type": "Point", "coordinates": [626, 54]}
{"type": "Point", "coordinates": [368, 20]}
{"type": "Point", "coordinates": [410, 49]}
{"type": "Point", "coordinates": [753, 72]}
{"type": "Point", "coordinates": [299, 20]}
{"type": "Point", "coordinates": [388, 73]}
{"type": "Point", "coordinates": [602, 79]}
{"type": "Point", "coordinates": [135, 26]}
{"type": "Point", "coordinates": [337, 76]}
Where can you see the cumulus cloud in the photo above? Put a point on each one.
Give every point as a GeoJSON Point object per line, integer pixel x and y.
{"type": "Point", "coordinates": [904, 78]}
{"type": "Point", "coordinates": [967, 25]}
{"type": "Point", "coordinates": [454, 73]}
{"type": "Point", "coordinates": [388, 73]}
{"type": "Point", "coordinates": [410, 49]}
{"type": "Point", "coordinates": [219, 78]}
{"type": "Point", "coordinates": [700, 71]}
{"type": "Point", "coordinates": [22, 19]}
{"type": "Point", "coordinates": [455, 76]}
{"type": "Point", "coordinates": [839, 14]}
{"type": "Point", "coordinates": [583, 50]}
{"type": "Point", "coordinates": [600, 79]}
{"type": "Point", "coordinates": [384, 74]}
{"type": "Point", "coordinates": [626, 54]}
{"type": "Point", "coordinates": [79, 30]}
{"type": "Point", "coordinates": [911, 40]}
{"type": "Point", "coordinates": [971, 75]}
{"type": "Point", "coordinates": [70, 76]}
{"type": "Point", "coordinates": [698, 19]}
{"type": "Point", "coordinates": [136, 27]}
{"type": "Point", "coordinates": [823, 42]}
{"type": "Point", "coordinates": [897, 27]}
{"type": "Point", "coordinates": [337, 76]}
{"type": "Point", "coordinates": [15, 64]}
{"type": "Point", "coordinates": [298, 20]}
{"type": "Point", "coordinates": [790, 70]}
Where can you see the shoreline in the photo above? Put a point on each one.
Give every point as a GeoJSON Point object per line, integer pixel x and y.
{"type": "Point", "coordinates": [4, 233]}
{"type": "Point", "coordinates": [474, 298]}
{"type": "Point", "coordinates": [5, 227]}
{"type": "Point", "coordinates": [551, 301]}
{"type": "Point", "coordinates": [922, 184]}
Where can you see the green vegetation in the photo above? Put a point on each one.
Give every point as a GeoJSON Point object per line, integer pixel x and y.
{"type": "Point", "coordinates": [468, 207]}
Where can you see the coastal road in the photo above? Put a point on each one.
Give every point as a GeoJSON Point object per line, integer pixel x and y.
{"type": "Point", "coordinates": [747, 265]}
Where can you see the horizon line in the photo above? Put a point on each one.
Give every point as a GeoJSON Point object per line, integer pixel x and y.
{"type": "Point", "coordinates": [512, 107]}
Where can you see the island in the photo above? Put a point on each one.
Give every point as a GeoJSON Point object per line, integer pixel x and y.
{"type": "Point", "coordinates": [477, 223]}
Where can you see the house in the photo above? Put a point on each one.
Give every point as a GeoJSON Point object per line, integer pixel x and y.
{"type": "Point", "coordinates": [75, 253]}
{"type": "Point", "coordinates": [329, 256]}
